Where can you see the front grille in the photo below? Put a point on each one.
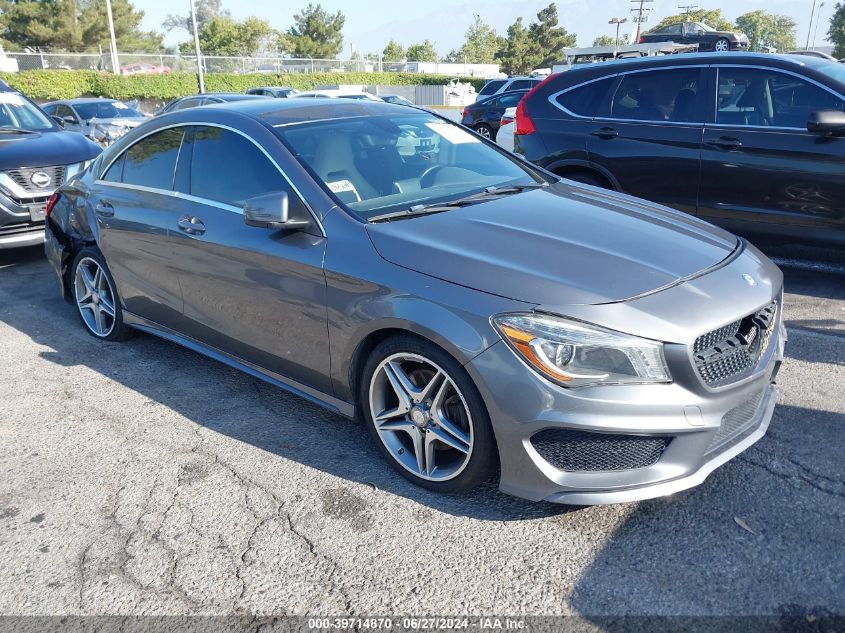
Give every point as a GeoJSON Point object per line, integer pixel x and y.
{"type": "Point", "coordinates": [731, 352]}
{"type": "Point", "coordinates": [19, 229]}
{"type": "Point", "coordinates": [23, 177]}
{"type": "Point", "coordinates": [584, 451]}
{"type": "Point", "coordinates": [735, 423]}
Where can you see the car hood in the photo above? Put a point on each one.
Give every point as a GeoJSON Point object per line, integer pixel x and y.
{"type": "Point", "coordinates": [563, 245]}
{"type": "Point", "coordinates": [45, 149]}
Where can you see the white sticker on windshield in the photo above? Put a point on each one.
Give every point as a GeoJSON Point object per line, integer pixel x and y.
{"type": "Point", "coordinates": [120, 106]}
{"type": "Point", "coordinates": [11, 98]}
{"type": "Point", "coordinates": [452, 133]}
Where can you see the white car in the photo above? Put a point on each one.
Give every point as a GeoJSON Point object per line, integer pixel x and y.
{"type": "Point", "coordinates": [504, 137]}
{"type": "Point", "coordinates": [335, 93]}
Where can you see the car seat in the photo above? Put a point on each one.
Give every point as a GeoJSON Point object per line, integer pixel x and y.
{"type": "Point", "coordinates": [334, 162]}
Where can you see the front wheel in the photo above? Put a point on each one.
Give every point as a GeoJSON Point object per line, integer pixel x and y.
{"type": "Point", "coordinates": [426, 416]}
{"type": "Point", "coordinates": [96, 298]}
{"type": "Point", "coordinates": [722, 45]}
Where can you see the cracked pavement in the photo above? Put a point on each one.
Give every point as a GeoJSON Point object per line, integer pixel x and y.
{"type": "Point", "coordinates": [141, 478]}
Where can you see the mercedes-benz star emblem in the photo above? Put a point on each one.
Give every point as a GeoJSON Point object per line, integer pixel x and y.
{"type": "Point", "coordinates": [750, 280]}
{"type": "Point", "coordinates": [40, 179]}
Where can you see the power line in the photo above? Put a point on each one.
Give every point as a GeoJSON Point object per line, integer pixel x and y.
{"type": "Point", "coordinates": [640, 14]}
{"type": "Point", "coordinates": [687, 9]}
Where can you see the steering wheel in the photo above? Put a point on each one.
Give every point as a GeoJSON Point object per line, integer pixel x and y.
{"type": "Point", "coordinates": [427, 177]}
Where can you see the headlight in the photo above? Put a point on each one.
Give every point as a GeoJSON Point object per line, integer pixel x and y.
{"type": "Point", "coordinates": [108, 131]}
{"type": "Point", "coordinates": [575, 354]}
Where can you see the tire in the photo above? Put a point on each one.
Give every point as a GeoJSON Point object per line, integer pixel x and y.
{"type": "Point", "coordinates": [94, 293]}
{"type": "Point", "coordinates": [484, 130]}
{"type": "Point", "coordinates": [588, 178]}
{"type": "Point", "coordinates": [440, 438]}
{"type": "Point", "coordinates": [722, 45]}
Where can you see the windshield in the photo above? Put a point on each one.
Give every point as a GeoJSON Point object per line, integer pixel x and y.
{"type": "Point", "coordinates": [18, 113]}
{"type": "Point", "coordinates": [830, 69]}
{"type": "Point", "coordinates": [105, 110]}
{"type": "Point", "coordinates": [378, 164]}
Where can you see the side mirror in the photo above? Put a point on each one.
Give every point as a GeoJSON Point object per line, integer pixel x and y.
{"type": "Point", "coordinates": [272, 211]}
{"type": "Point", "coordinates": [71, 119]}
{"type": "Point", "coordinates": [827, 122]}
{"type": "Point", "coordinates": [59, 120]}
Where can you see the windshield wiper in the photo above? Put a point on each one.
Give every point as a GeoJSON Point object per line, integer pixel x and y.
{"type": "Point", "coordinates": [7, 129]}
{"type": "Point", "coordinates": [439, 207]}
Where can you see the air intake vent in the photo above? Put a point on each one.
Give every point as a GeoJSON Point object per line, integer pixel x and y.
{"type": "Point", "coordinates": [584, 451]}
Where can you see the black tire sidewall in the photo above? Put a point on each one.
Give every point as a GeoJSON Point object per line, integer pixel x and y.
{"type": "Point", "coordinates": [120, 331]}
{"type": "Point", "coordinates": [484, 460]}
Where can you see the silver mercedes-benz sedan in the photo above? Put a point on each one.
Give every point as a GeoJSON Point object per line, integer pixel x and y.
{"type": "Point", "coordinates": [479, 315]}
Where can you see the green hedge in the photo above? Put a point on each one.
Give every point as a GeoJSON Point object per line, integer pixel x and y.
{"type": "Point", "coordinates": [67, 84]}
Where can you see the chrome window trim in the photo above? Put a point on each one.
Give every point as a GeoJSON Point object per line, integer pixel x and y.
{"type": "Point", "coordinates": [207, 201]}
{"type": "Point", "coordinates": [553, 97]}
{"type": "Point", "coordinates": [718, 68]}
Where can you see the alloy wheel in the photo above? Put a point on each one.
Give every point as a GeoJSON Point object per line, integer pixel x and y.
{"type": "Point", "coordinates": [94, 297]}
{"type": "Point", "coordinates": [421, 417]}
{"type": "Point", "coordinates": [721, 46]}
{"type": "Point", "coordinates": [484, 131]}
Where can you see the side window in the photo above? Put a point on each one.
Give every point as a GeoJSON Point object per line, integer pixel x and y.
{"type": "Point", "coordinates": [672, 29]}
{"type": "Point", "coordinates": [585, 100]}
{"type": "Point", "coordinates": [661, 95]}
{"type": "Point", "coordinates": [228, 168]}
{"type": "Point", "coordinates": [151, 162]}
{"type": "Point", "coordinates": [492, 86]}
{"type": "Point", "coordinates": [752, 96]}
{"type": "Point", "coordinates": [115, 171]}
{"type": "Point", "coordinates": [521, 84]}
{"type": "Point", "coordinates": [187, 103]}
{"type": "Point", "coordinates": [510, 100]}
{"type": "Point", "coordinates": [49, 109]}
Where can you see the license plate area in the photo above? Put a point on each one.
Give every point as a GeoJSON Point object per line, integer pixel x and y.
{"type": "Point", "coordinates": [38, 212]}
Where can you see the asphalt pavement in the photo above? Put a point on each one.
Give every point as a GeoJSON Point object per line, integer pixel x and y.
{"type": "Point", "coordinates": [143, 478]}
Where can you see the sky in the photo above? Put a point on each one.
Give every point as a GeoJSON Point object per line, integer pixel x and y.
{"type": "Point", "coordinates": [371, 23]}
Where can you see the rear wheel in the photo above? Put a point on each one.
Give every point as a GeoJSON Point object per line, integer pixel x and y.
{"type": "Point", "coordinates": [484, 130]}
{"type": "Point", "coordinates": [96, 298]}
{"type": "Point", "coordinates": [426, 416]}
{"type": "Point", "coordinates": [722, 45]}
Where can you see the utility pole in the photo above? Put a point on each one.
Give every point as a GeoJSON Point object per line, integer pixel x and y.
{"type": "Point", "coordinates": [115, 63]}
{"type": "Point", "coordinates": [618, 23]}
{"type": "Point", "coordinates": [197, 47]}
{"type": "Point", "coordinates": [641, 14]}
{"type": "Point", "coordinates": [686, 9]}
{"type": "Point", "coordinates": [818, 19]}
{"type": "Point", "coordinates": [810, 30]}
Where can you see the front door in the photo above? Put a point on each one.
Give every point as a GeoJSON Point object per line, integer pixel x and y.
{"type": "Point", "coordinates": [763, 172]}
{"type": "Point", "coordinates": [256, 294]}
{"type": "Point", "coordinates": [648, 137]}
{"type": "Point", "coordinates": [135, 207]}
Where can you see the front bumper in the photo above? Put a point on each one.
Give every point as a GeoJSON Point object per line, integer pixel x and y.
{"type": "Point", "coordinates": [21, 224]}
{"type": "Point", "coordinates": [522, 404]}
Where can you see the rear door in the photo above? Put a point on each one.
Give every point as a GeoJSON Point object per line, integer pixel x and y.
{"type": "Point", "coordinates": [256, 294]}
{"type": "Point", "coordinates": [762, 170]}
{"type": "Point", "coordinates": [135, 209]}
{"type": "Point", "coordinates": [648, 135]}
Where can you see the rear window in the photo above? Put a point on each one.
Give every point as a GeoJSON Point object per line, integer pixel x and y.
{"type": "Point", "coordinates": [585, 100]}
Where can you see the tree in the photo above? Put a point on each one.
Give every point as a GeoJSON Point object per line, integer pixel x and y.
{"type": "Point", "coordinates": [548, 39]}
{"type": "Point", "coordinates": [605, 40]}
{"type": "Point", "coordinates": [480, 46]}
{"type": "Point", "coordinates": [393, 52]}
{"type": "Point", "coordinates": [710, 17]}
{"type": "Point", "coordinates": [207, 10]}
{"type": "Point", "coordinates": [316, 33]}
{"type": "Point", "coordinates": [836, 33]}
{"type": "Point", "coordinates": [127, 28]}
{"type": "Point", "coordinates": [514, 55]}
{"type": "Point", "coordinates": [225, 36]}
{"type": "Point", "coordinates": [767, 30]}
{"type": "Point", "coordinates": [423, 52]}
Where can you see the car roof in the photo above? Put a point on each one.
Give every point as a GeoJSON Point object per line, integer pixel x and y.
{"type": "Point", "coordinates": [81, 100]}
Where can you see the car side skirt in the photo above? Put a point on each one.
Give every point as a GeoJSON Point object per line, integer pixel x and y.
{"type": "Point", "coordinates": [324, 400]}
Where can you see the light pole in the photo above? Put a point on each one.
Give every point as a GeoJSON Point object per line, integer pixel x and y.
{"type": "Point", "coordinates": [115, 63]}
{"type": "Point", "coordinates": [818, 19]}
{"type": "Point", "coordinates": [810, 30]}
{"type": "Point", "coordinates": [197, 47]}
{"type": "Point", "coordinates": [618, 23]}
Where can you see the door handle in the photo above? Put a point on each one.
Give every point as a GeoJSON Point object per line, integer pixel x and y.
{"type": "Point", "coordinates": [725, 142]}
{"type": "Point", "coordinates": [104, 209]}
{"type": "Point", "coordinates": [605, 132]}
{"type": "Point", "coordinates": [191, 225]}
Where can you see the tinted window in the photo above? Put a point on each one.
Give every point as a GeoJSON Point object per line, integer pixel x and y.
{"type": "Point", "coordinates": [187, 103]}
{"type": "Point", "coordinates": [228, 168]}
{"type": "Point", "coordinates": [49, 109]}
{"type": "Point", "coordinates": [672, 29]}
{"type": "Point", "coordinates": [151, 162]}
{"type": "Point", "coordinates": [492, 86]}
{"type": "Point", "coordinates": [522, 84]}
{"type": "Point", "coordinates": [662, 95]}
{"type": "Point", "coordinates": [750, 96]}
{"type": "Point", "coordinates": [510, 100]}
{"type": "Point", "coordinates": [585, 100]}
{"type": "Point", "coordinates": [106, 110]}
{"type": "Point", "coordinates": [115, 172]}
{"type": "Point", "coordinates": [65, 111]}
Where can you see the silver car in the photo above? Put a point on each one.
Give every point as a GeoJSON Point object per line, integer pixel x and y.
{"type": "Point", "coordinates": [102, 120]}
{"type": "Point", "coordinates": [479, 315]}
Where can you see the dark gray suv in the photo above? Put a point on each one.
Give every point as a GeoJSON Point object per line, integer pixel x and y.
{"type": "Point", "coordinates": [478, 313]}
